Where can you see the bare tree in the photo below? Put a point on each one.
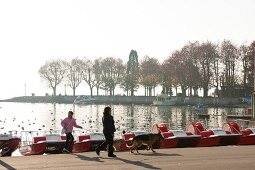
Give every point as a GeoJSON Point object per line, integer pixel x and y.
{"type": "Point", "coordinates": [207, 55]}
{"type": "Point", "coordinates": [228, 53]}
{"type": "Point", "coordinates": [97, 71]}
{"type": "Point", "coordinates": [243, 53]}
{"type": "Point", "coordinates": [150, 74]}
{"type": "Point", "coordinates": [87, 74]}
{"type": "Point", "coordinates": [53, 72]}
{"type": "Point", "coordinates": [112, 73]}
{"type": "Point", "coordinates": [74, 73]}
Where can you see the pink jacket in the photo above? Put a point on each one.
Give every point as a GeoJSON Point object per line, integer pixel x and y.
{"type": "Point", "coordinates": [68, 124]}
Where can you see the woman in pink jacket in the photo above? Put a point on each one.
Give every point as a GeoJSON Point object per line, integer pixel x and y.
{"type": "Point", "coordinates": [68, 124]}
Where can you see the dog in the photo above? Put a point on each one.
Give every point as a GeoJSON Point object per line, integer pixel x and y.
{"type": "Point", "coordinates": [147, 139]}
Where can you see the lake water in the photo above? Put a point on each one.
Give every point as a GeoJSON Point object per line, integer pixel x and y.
{"type": "Point", "coordinates": [45, 117]}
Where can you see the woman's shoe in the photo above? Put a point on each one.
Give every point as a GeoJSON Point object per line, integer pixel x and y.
{"type": "Point", "coordinates": [112, 155]}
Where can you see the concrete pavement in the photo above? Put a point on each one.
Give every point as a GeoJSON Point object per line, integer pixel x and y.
{"type": "Point", "coordinates": [204, 158]}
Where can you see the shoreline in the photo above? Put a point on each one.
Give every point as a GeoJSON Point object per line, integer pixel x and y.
{"type": "Point", "coordinates": [138, 100]}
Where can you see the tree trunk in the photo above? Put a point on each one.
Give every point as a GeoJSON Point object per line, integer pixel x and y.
{"type": "Point", "coordinates": [190, 91]}
{"type": "Point", "coordinates": [91, 91]}
{"type": "Point", "coordinates": [97, 90]}
{"type": "Point", "coordinates": [54, 91]}
{"type": "Point", "coordinates": [183, 91]}
{"type": "Point", "coordinates": [73, 91]}
{"type": "Point", "coordinates": [205, 91]}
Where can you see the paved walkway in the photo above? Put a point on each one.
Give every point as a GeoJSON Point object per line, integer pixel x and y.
{"type": "Point", "coordinates": [204, 158]}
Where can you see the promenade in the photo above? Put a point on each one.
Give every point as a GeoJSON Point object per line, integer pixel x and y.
{"type": "Point", "coordinates": [202, 158]}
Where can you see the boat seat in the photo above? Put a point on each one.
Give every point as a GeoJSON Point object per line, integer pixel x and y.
{"type": "Point", "coordinates": [162, 127]}
{"type": "Point", "coordinates": [199, 130]}
{"type": "Point", "coordinates": [234, 127]}
{"type": "Point", "coordinates": [198, 127]}
{"type": "Point", "coordinates": [83, 137]}
{"type": "Point", "coordinates": [247, 132]}
{"type": "Point", "coordinates": [167, 134]}
{"type": "Point", "coordinates": [39, 139]}
{"type": "Point", "coordinates": [252, 130]}
{"type": "Point", "coordinates": [128, 136]}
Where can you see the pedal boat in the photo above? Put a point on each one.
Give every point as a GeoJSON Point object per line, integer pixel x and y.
{"type": "Point", "coordinates": [247, 135]}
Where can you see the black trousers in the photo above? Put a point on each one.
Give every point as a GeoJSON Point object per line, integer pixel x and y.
{"type": "Point", "coordinates": [108, 142]}
{"type": "Point", "coordinates": [69, 141]}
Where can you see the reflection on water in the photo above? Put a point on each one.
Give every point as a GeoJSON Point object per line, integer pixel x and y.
{"type": "Point", "coordinates": [25, 116]}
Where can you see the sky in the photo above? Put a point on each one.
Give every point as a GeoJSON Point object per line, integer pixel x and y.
{"type": "Point", "coordinates": [35, 31]}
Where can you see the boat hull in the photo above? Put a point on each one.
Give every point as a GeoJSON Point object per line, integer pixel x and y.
{"type": "Point", "coordinates": [209, 141]}
{"type": "Point", "coordinates": [54, 147]}
{"type": "Point", "coordinates": [81, 147]}
{"type": "Point", "coordinates": [188, 141]}
{"type": "Point", "coordinates": [229, 140]}
{"type": "Point", "coordinates": [34, 149]}
{"type": "Point", "coordinates": [247, 140]}
{"type": "Point", "coordinates": [7, 147]}
{"type": "Point", "coordinates": [168, 143]}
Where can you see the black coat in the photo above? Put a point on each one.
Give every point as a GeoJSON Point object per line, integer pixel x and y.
{"type": "Point", "coordinates": [108, 124]}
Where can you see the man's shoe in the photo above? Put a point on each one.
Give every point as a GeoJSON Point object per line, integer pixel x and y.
{"type": "Point", "coordinates": [98, 152]}
{"type": "Point", "coordinates": [112, 155]}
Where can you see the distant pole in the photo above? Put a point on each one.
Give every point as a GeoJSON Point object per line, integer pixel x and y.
{"type": "Point", "coordinates": [25, 89]}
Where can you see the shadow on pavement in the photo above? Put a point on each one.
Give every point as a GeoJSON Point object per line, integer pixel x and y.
{"type": "Point", "coordinates": [82, 157]}
{"type": "Point", "coordinates": [137, 163]}
{"type": "Point", "coordinates": [7, 166]}
{"type": "Point", "coordinates": [159, 154]}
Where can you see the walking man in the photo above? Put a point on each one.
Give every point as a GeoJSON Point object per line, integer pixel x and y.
{"type": "Point", "coordinates": [68, 124]}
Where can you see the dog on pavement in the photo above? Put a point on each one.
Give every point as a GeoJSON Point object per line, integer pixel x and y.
{"type": "Point", "coordinates": [146, 139]}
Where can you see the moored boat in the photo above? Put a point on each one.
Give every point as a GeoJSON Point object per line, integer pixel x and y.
{"type": "Point", "coordinates": [206, 137]}
{"type": "Point", "coordinates": [164, 100]}
{"type": "Point", "coordinates": [176, 138]}
{"type": "Point", "coordinates": [8, 144]}
{"type": "Point", "coordinates": [226, 138]}
{"type": "Point", "coordinates": [247, 135]}
{"type": "Point", "coordinates": [84, 100]}
{"type": "Point", "coordinates": [35, 144]}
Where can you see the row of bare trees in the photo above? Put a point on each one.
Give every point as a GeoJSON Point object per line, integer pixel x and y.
{"type": "Point", "coordinates": [195, 66]}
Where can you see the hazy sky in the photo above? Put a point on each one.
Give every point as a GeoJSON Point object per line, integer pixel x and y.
{"type": "Point", "coordinates": [34, 31]}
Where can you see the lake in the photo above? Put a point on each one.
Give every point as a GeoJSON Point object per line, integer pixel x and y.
{"type": "Point", "coordinates": [45, 117]}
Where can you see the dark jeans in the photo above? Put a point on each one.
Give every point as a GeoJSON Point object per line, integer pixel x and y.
{"type": "Point", "coordinates": [108, 141]}
{"type": "Point", "coordinates": [69, 141]}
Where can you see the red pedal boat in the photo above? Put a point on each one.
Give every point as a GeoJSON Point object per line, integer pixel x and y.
{"type": "Point", "coordinates": [247, 135]}
{"type": "Point", "coordinates": [226, 138]}
{"type": "Point", "coordinates": [207, 137]}
{"type": "Point", "coordinates": [176, 138]}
